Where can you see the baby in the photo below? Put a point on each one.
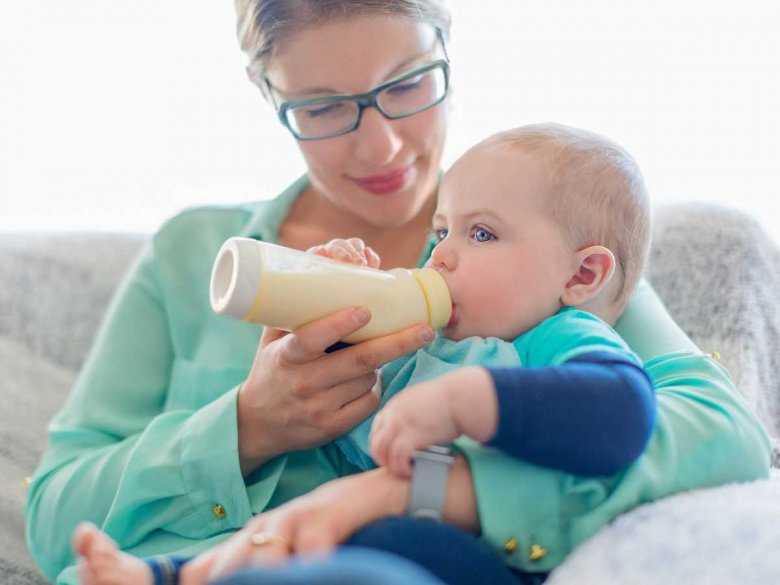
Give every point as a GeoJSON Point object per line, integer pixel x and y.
{"type": "Point", "coordinates": [542, 233]}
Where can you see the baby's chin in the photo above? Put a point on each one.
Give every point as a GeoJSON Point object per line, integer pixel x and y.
{"type": "Point", "coordinates": [459, 332]}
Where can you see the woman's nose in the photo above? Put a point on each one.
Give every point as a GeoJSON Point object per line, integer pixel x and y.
{"type": "Point", "coordinates": [378, 141]}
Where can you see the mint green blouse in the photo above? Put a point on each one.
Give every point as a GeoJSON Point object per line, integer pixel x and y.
{"type": "Point", "coordinates": [146, 444]}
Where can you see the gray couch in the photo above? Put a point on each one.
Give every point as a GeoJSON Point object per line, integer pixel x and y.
{"type": "Point", "coordinates": [715, 268]}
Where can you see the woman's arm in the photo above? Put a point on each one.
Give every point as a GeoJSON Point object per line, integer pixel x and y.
{"type": "Point", "coordinates": [148, 443]}
{"type": "Point", "coordinates": [705, 435]}
{"type": "Point", "coordinates": [648, 328]}
{"type": "Point", "coordinates": [318, 521]}
{"type": "Point", "coordinates": [534, 516]}
{"type": "Point", "coordinates": [116, 459]}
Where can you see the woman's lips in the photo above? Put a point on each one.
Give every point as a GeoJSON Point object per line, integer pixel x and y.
{"type": "Point", "coordinates": [386, 182]}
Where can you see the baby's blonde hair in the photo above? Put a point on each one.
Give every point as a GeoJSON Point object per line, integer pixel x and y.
{"type": "Point", "coordinates": [597, 194]}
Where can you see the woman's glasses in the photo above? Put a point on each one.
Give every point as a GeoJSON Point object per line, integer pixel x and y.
{"type": "Point", "coordinates": [331, 116]}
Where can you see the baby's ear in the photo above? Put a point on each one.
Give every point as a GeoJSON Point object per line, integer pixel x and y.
{"type": "Point", "coordinates": [595, 266]}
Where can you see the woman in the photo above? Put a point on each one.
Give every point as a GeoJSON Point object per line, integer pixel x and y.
{"type": "Point", "coordinates": [182, 424]}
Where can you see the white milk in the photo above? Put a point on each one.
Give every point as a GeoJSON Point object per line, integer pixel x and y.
{"type": "Point", "coordinates": [285, 288]}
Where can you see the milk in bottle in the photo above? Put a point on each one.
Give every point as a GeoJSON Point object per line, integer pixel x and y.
{"type": "Point", "coordinates": [286, 288]}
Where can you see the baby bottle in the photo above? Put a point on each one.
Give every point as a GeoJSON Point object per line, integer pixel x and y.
{"type": "Point", "coordinates": [285, 288]}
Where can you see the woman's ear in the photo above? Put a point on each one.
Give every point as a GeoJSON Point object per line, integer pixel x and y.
{"type": "Point", "coordinates": [595, 266]}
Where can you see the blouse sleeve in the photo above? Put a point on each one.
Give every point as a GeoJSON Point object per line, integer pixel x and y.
{"type": "Point", "coordinates": [648, 328]}
{"type": "Point", "coordinates": [118, 458]}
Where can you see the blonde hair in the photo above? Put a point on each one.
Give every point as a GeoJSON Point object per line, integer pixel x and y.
{"type": "Point", "coordinates": [597, 194]}
{"type": "Point", "coordinates": [263, 24]}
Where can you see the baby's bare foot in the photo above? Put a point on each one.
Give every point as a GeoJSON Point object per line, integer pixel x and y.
{"type": "Point", "coordinates": [102, 563]}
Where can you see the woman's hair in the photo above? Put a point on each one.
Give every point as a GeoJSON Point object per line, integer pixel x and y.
{"type": "Point", "coordinates": [263, 24]}
{"type": "Point", "coordinates": [597, 193]}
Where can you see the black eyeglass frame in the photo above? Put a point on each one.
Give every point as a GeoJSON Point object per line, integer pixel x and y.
{"type": "Point", "coordinates": [366, 100]}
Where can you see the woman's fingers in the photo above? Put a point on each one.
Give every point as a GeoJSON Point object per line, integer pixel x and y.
{"type": "Point", "coordinates": [310, 341]}
{"type": "Point", "coordinates": [274, 541]}
{"type": "Point", "coordinates": [353, 413]}
{"type": "Point", "coordinates": [233, 553]}
{"type": "Point", "coordinates": [349, 391]}
{"type": "Point", "coordinates": [270, 335]}
{"type": "Point", "coordinates": [365, 357]}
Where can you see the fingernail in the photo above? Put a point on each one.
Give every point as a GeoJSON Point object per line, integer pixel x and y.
{"type": "Point", "coordinates": [426, 334]}
{"type": "Point", "coordinates": [361, 316]}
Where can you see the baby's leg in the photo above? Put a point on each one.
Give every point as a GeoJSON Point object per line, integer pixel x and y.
{"type": "Point", "coordinates": [102, 563]}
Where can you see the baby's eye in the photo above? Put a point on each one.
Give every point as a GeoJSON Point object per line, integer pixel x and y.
{"type": "Point", "coordinates": [480, 234]}
{"type": "Point", "coordinates": [440, 234]}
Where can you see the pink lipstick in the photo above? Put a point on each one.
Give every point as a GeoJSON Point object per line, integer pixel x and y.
{"type": "Point", "coordinates": [385, 183]}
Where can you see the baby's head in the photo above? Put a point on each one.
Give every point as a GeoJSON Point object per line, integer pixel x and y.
{"type": "Point", "coordinates": [537, 218]}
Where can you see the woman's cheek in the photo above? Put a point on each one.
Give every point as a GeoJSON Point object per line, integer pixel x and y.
{"type": "Point", "coordinates": [326, 159]}
{"type": "Point", "coordinates": [426, 132]}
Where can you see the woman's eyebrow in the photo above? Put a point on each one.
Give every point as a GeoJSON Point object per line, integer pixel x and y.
{"type": "Point", "coordinates": [328, 90]}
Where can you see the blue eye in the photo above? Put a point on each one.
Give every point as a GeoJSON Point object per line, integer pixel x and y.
{"type": "Point", "coordinates": [440, 234]}
{"type": "Point", "coordinates": [480, 234]}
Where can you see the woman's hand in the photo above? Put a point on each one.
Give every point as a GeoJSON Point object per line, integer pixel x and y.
{"type": "Point", "coordinates": [297, 397]}
{"type": "Point", "coordinates": [313, 523]}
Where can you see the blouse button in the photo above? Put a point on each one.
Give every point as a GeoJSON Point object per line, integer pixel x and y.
{"type": "Point", "coordinates": [218, 510]}
{"type": "Point", "coordinates": [537, 552]}
{"type": "Point", "coordinates": [510, 546]}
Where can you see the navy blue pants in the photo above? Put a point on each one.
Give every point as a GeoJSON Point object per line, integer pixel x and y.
{"type": "Point", "coordinates": [396, 551]}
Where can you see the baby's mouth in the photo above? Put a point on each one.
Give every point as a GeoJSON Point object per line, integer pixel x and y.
{"type": "Point", "coordinates": [453, 317]}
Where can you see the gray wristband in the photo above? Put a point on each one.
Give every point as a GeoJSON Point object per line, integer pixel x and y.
{"type": "Point", "coordinates": [429, 482]}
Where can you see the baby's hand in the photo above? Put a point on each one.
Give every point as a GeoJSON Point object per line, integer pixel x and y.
{"type": "Point", "coordinates": [351, 251]}
{"type": "Point", "coordinates": [418, 417]}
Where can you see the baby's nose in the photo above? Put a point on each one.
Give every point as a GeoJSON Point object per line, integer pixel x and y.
{"type": "Point", "coordinates": [442, 258]}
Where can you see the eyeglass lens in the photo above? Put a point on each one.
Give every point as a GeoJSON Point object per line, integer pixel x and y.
{"type": "Point", "coordinates": [404, 98]}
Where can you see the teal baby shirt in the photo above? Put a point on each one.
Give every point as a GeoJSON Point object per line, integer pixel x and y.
{"type": "Point", "coordinates": [557, 339]}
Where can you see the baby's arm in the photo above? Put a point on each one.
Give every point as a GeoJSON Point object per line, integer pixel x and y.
{"type": "Point", "coordinates": [438, 411]}
{"type": "Point", "coordinates": [592, 415]}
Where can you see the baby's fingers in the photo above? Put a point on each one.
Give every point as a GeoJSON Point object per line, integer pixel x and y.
{"type": "Point", "coordinates": [373, 258]}
{"type": "Point", "coordinates": [379, 440]}
{"type": "Point", "coordinates": [400, 457]}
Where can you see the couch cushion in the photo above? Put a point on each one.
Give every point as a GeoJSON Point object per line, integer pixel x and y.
{"type": "Point", "coordinates": [718, 273]}
{"type": "Point", "coordinates": [32, 389]}
{"type": "Point", "coordinates": [56, 288]}
{"type": "Point", "coordinates": [55, 291]}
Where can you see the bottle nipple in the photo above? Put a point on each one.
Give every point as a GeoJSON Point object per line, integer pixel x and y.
{"type": "Point", "coordinates": [437, 296]}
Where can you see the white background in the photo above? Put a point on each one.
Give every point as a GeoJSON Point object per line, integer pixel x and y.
{"type": "Point", "coordinates": [115, 115]}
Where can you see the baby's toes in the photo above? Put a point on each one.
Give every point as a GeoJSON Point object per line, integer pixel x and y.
{"type": "Point", "coordinates": [86, 576]}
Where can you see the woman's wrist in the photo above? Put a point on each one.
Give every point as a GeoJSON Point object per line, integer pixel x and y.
{"type": "Point", "coordinates": [254, 447]}
{"type": "Point", "coordinates": [376, 494]}
{"type": "Point", "coordinates": [388, 494]}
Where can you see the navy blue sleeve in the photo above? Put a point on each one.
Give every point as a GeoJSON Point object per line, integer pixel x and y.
{"type": "Point", "coordinates": [592, 415]}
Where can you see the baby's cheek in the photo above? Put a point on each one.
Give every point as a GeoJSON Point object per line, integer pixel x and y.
{"type": "Point", "coordinates": [501, 308]}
